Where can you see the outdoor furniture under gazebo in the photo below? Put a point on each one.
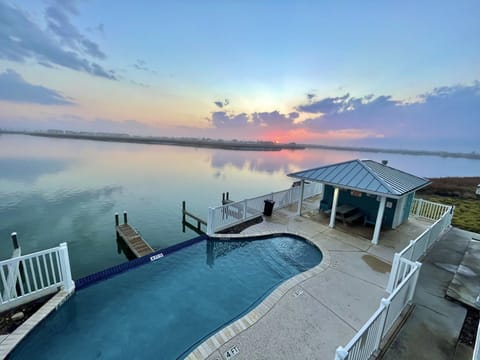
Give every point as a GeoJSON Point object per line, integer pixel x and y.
{"type": "Point", "coordinates": [381, 194]}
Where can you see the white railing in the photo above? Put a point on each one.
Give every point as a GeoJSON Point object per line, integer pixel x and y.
{"type": "Point", "coordinates": [401, 284]}
{"type": "Point", "coordinates": [28, 277]}
{"type": "Point", "coordinates": [428, 209]}
{"type": "Point", "coordinates": [369, 338]}
{"type": "Point", "coordinates": [419, 247]}
{"type": "Point", "coordinates": [225, 216]}
{"type": "Point", "coordinates": [476, 349]}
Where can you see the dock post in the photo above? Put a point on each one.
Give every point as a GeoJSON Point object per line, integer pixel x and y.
{"type": "Point", "coordinates": [125, 217]}
{"type": "Point", "coordinates": [14, 240]}
{"type": "Point", "coordinates": [184, 208]}
{"type": "Point", "coordinates": [117, 223]}
{"type": "Point", "coordinates": [228, 196]}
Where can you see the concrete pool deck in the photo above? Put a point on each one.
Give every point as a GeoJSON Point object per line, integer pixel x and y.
{"type": "Point", "coordinates": [312, 314]}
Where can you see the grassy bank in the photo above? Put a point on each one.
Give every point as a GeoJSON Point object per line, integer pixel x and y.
{"type": "Point", "coordinates": [458, 191]}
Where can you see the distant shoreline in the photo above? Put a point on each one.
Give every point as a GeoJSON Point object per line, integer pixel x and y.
{"type": "Point", "coordinates": [474, 156]}
{"type": "Point", "coordinates": [190, 142]}
{"type": "Point", "coordinates": [228, 144]}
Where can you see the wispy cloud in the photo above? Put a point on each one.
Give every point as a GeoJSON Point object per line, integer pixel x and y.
{"type": "Point", "coordinates": [310, 97]}
{"type": "Point", "coordinates": [138, 83]}
{"type": "Point", "coordinates": [142, 65]}
{"type": "Point", "coordinates": [274, 119]}
{"type": "Point", "coordinates": [222, 104]}
{"type": "Point", "coordinates": [59, 24]}
{"type": "Point", "coordinates": [326, 105]}
{"type": "Point", "coordinates": [60, 44]}
{"type": "Point", "coordinates": [220, 119]}
{"type": "Point", "coordinates": [14, 88]}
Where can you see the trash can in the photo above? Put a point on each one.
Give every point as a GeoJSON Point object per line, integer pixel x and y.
{"type": "Point", "coordinates": [268, 209]}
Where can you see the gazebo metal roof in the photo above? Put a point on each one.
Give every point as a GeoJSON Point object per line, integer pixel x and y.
{"type": "Point", "coordinates": [366, 176]}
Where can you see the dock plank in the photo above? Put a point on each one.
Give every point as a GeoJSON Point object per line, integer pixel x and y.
{"type": "Point", "coordinates": [134, 240]}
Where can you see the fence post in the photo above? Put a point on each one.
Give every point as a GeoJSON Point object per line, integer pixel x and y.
{"type": "Point", "coordinates": [418, 267]}
{"type": "Point", "coordinates": [393, 273]}
{"type": "Point", "coordinates": [68, 284]}
{"type": "Point", "coordinates": [210, 221]}
{"type": "Point", "coordinates": [341, 353]}
{"type": "Point", "coordinates": [413, 243]}
{"type": "Point", "coordinates": [419, 206]}
{"type": "Point", "coordinates": [427, 241]}
{"type": "Point", "coordinates": [300, 200]}
{"type": "Point", "coordinates": [381, 327]}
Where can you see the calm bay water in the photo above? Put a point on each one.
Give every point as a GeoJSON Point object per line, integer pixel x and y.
{"type": "Point", "coordinates": [57, 190]}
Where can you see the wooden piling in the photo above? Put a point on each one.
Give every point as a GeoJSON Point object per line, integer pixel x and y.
{"type": "Point", "coordinates": [117, 220]}
{"type": "Point", "coordinates": [125, 217]}
{"type": "Point", "coordinates": [185, 223]}
{"type": "Point", "coordinates": [184, 210]}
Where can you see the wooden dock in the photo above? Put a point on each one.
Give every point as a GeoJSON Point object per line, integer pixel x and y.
{"type": "Point", "coordinates": [185, 223]}
{"type": "Point", "coordinates": [132, 238]}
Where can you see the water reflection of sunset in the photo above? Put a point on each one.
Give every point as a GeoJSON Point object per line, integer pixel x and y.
{"type": "Point", "coordinates": [284, 161]}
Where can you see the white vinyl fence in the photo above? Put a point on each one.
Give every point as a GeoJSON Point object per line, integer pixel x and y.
{"type": "Point", "coordinates": [428, 209]}
{"type": "Point", "coordinates": [28, 277]}
{"type": "Point", "coordinates": [225, 216]}
{"type": "Point", "coordinates": [401, 284]}
{"type": "Point", "coordinates": [418, 248]}
{"type": "Point", "coordinates": [476, 349]}
{"type": "Point", "coordinates": [370, 336]}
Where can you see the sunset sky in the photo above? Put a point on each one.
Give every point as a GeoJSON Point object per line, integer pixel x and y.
{"type": "Point", "coordinates": [401, 74]}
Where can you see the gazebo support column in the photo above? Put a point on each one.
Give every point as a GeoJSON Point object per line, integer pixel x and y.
{"type": "Point", "coordinates": [300, 201]}
{"type": "Point", "coordinates": [378, 222]}
{"type": "Point", "coordinates": [334, 207]}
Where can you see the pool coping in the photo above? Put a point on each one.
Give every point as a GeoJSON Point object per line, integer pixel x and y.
{"type": "Point", "coordinates": [10, 341]}
{"type": "Point", "coordinates": [214, 342]}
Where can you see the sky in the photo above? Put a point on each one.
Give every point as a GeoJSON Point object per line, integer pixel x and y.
{"type": "Point", "coordinates": [358, 73]}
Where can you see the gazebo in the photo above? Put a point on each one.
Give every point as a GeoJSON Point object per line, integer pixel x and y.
{"type": "Point", "coordinates": [355, 189]}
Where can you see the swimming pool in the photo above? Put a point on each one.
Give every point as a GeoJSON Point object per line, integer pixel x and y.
{"type": "Point", "coordinates": [164, 309]}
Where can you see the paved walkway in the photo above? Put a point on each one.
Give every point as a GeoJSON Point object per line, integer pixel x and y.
{"type": "Point", "coordinates": [432, 330]}
{"type": "Point", "coordinates": [313, 313]}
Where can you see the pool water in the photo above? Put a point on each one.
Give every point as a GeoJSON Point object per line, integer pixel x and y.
{"type": "Point", "coordinates": [164, 309]}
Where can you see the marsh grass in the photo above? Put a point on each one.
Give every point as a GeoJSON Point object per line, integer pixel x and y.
{"type": "Point", "coordinates": [461, 193]}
